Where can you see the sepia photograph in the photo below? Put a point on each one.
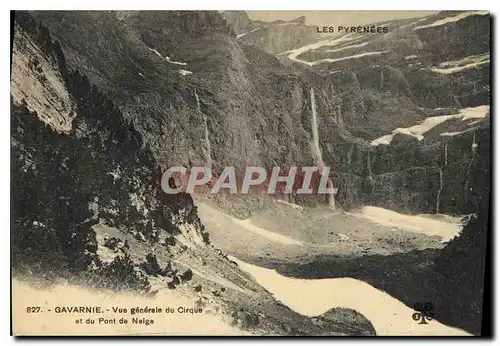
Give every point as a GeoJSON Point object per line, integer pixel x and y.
{"type": "Point", "coordinates": [250, 173]}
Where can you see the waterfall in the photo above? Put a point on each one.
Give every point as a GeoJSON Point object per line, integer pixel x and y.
{"type": "Point", "coordinates": [370, 174]}
{"type": "Point", "coordinates": [206, 150]}
{"type": "Point", "coordinates": [438, 197]}
{"type": "Point", "coordinates": [207, 143]}
{"type": "Point", "coordinates": [446, 154]}
{"type": "Point", "coordinates": [473, 154]}
{"type": "Point", "coordinates": [317, 151]}
{"type": "Point", "coordinates": [314, 127]}
{"type": "Point", "coordinates": [474, 143]}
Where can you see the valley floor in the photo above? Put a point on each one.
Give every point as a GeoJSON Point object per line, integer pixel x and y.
{"type": "Point", "coordinates": [341, 260]}
{"type": "Point", "coordinates": [313, 297]}
{"type": "Point", "coordinates": [281, 233]}
{"type": "Point", "coordinates": [283, 271]}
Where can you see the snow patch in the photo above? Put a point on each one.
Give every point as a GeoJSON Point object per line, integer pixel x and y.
{"type": "Point", "coordinates": [415, 22]}
{"type": "Point", "coordinates": [386, 140]}
{"type": "Point", "coordinates": [347, 47]}
{"type": "Point", "coordinates": [474, 122]}
{"type": "Point", "coordinates": [356, 56]}
{"type": "Point", "coordinates": [185, 72]}
{"type": "Point", "coordinates": [293, 54]}
{"type": "Point", "coordinates": [247, 224]}
{"type": "Point", "coordinates": [388, 315]}
{"type": "Point", "coordinates": [419, 130]}
{"type": "Point", "coordinates": [175, 62]}
{"type": "Point", "coordinates": [249, 32]}
{"type": "Point", "coordinates": [426, 224]}
{"type": "Point", "coordinates": [212, 215]}
{"type": "Point", "coordinates": [450, 134]}
{"type": "Point", "coordinates": [463, 64]}
{"type": "Point", "coordinates": [289, 23]}
{"type": "Point", "coordinates": [478, 112]}
{"type": "Point", "coordinates": [453, 19]}
{"type": "Point", "coordinates": [155, 51]}
{"type": "Point", "coordinates": [167, 58]}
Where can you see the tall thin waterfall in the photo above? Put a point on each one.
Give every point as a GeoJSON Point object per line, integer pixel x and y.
{"type": "Point", "coordinates": [474, 143]}
{"type": "Point", "coordinates": [370, 174]}
{"type": "Point", "coordinates": [469, 166]}
{"type": "Point", "coordinates": [206, 150]}
{"type": "Point", "coordinates": [314, 127]}
{"type": "Point", "coordinates": [438, 197]}
{"type": "Point", "coordinates": [446, 154]}
{"type": "Point", "coordinates": [208, 154]}
{"type": "Point", "coordinates": [317, 151]}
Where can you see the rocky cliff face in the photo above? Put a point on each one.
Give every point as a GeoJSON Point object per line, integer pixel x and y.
{"type": "Point", "coordinates": [88, 207]}
{"type": "Point", "coordinates": [272, 37]}
{"type": "Point", "coordinates": [77, 162]}
{"type": "Point", "coordinates": [258, 109]}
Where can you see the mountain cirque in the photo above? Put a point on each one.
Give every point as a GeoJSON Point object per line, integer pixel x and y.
{"type": "Point", "coordinates": [101, 99]}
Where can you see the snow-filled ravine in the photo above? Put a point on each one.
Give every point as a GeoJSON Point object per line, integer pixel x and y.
{"type": "Point", "coordinates": [419, 130]}
{"type": "Point", "coordinates": [314, 297]}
